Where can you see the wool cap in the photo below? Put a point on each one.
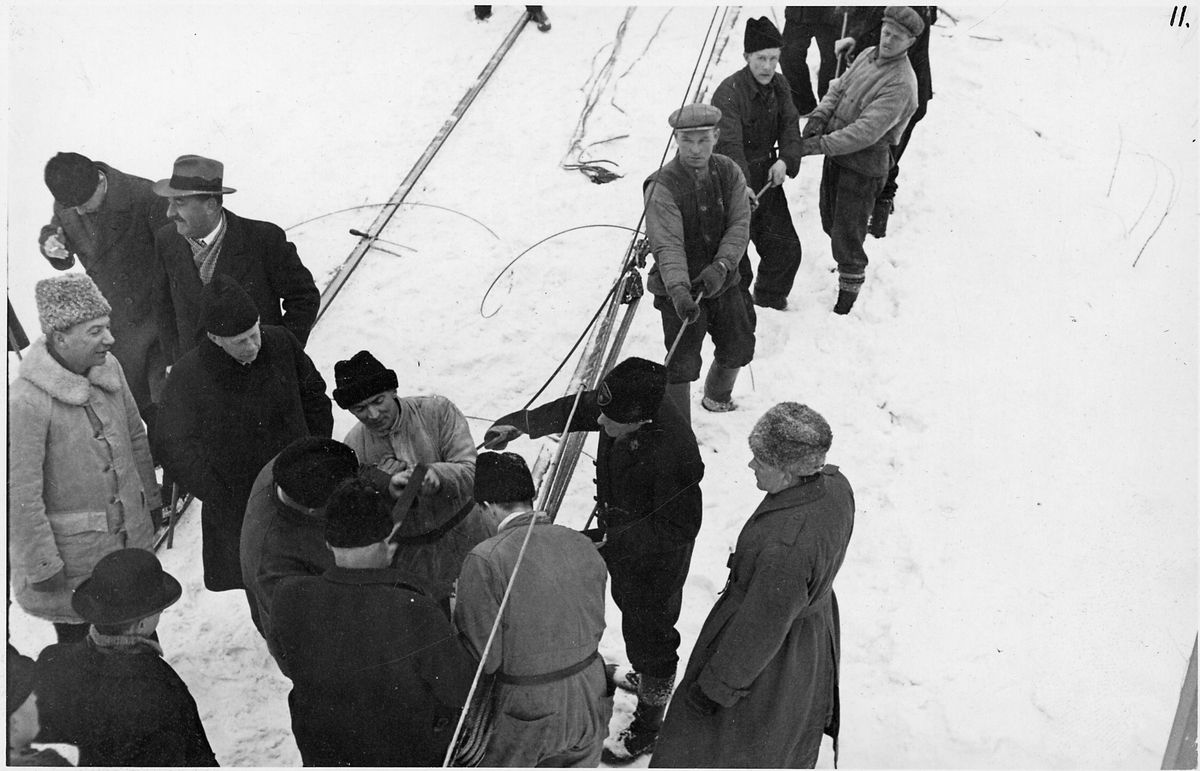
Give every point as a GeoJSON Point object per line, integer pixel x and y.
{"type": "Point", "coordinates": [310, 468]}
{"type": "Point", "coordinates": [761, 33]}
{"type": "Point", "coordinates": [194, 175]}
{"type": "Point", "coordinates": [66, 300]}
{"type": "Point", "coordinates": [633, 390]}
{"type": "Point", "coordinates": [126, 585]}
{"type": "Point", "coordinates": [503, 477]}
{"type": "Point", "coordinates": [358, 514]}
{"type": "Point", "coordinates": [72, 178]}
{"type": "Point", "coordinates": [905, 18]}
{"type": "Point", "coordinates": [227, 309]}
{"type": "Point", "coordinates": [791, 436]}
{"type": "Point", "coordinates": [361, 377]}
{"type": "Point", "coordinates": [22, 676]}
{"type": "Point", "coordinates": [695, 116]}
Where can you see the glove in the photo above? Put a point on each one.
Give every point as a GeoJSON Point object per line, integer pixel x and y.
{"type": "Point", "coordinates": [813, 128]}
{"type": "Point", "coordinates": [498, 437]}
{"type": "Point", "coordinates": [55, 583]}
{"type": "Point", "coordinates": [713, 278]}
{"type": "Point", "coordinates": [811, 146]}
{"type": "Point", "coordinates": [698, 700]}
{"type": "Point", "coordinates": [54, 248]}
{"type": "Point", "coordinates": [843, 46]}
{"type": "Point", "coordinates": [685, 305]}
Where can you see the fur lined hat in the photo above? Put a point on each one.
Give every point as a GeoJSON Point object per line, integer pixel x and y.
{"type": "Point", "coordinates": [905, 18]}
{"type": "Point", "coordinates": [22, 676]}
{"type": "Point", "coordinates": [361, 377]}
{"type": "Point", "coordinates": [761, 33]}
{"type": "Point", "coordinates": [311, 467]}
{"type": "Point", "coordinates": [791, 436]}
{"type": "Point", "coordinates": [66, 300]}
{"type": "Point", "coordinates": [633, 390]}
{"type": "Point", "coordinates": [503, 478]}
{"type": "Point", "coordinates": [358, 514]}
{"type": "Point", "coordinates": [227, 309]}
{"type": "Point", "coordinates": [72, 178]}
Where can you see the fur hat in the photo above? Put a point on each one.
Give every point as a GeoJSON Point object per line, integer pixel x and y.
{"type": "Point", "coordinates": [761, 33]}
{"type": "Point", "coordinates": [791, 436]}
{"type": "Point", "coordinates": [633, 390]}
{"type": "Point", "coordinates": [22, 675]}
{"type": "Point", "coordinates": [227, 309]}
{"type": "Point", "coordinates": [310, 468]}
{"type": "Point", "coordinates": [361, 377]}
{"type": "Point", "coordinates": [905, 18]}
{"type": "Point", "coordinates": [72, 178]}
{"type": "Point", "coordinates": [357, 514]}
{"type": "Point", "coordinates": [695, 116]}
{"type": "Point", "coordinates": [503, 478]}
{"type": "Point", "coordinates": [66, 300]}
{"type": "Point", "coordinates": [125, 586]}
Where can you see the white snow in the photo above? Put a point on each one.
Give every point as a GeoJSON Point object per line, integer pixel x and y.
{"type": "Point", "coordinates": [1012, 399]}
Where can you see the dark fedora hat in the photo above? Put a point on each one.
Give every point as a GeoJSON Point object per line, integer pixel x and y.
{"type": "Point", "coordinates": [193, 175]}
{"type": "Point", "coordinates": [125, 586]}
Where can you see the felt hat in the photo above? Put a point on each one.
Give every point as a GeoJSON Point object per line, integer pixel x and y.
{"type": "Point", "coordinates": [791, 436]}
{"type": "Point", "coordinates": [311, 467]}
{"type": "Point", "coordinates": [22, 676]}
{"type": "Point", "coordinates": [194, 175]}
{"type": "Point", "coordinates": [761, 33]}
{"type": "Point", "coordinates": [503, 478]}
{"type": "Point", "coordinates": [905, 18]}
{"type": "Point", "coordinates": [66, 300]}
{"type": "Point", "coordinates": [358, 514]}
{"type": "Point", "coordinates": [227, 309]}
{"type": "Point", "coordinates": [126, 585]}
{"type": "Point", "coordinates": [633, 390]}
{"type": "Point", "coordinates": [72, 178]}
{"type": "Point", "coordinates": [695, 116]}
{"type": "Point", "coordinates": [361, 377]}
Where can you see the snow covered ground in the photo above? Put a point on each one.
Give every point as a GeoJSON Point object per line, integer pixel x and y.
{"type": "Point", "coordinates": [1013, 399]}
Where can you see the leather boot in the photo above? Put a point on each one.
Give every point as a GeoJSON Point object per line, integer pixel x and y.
{"type": "Point", "coordinates": [879, 217]}
{"type": "Point", "coordinates": [845, 302]}
{"type": "Point", "coordinates": [642, 734]}
{"type": "Point", "coordinates": [718, 388]}
{"type": "Point", "coordinates": [681, 394]}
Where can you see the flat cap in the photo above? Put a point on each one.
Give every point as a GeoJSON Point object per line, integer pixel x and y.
{"type": "Point", "coordinates": [905, 18]}
{"type": "Point", "coordinates": [695, 116]}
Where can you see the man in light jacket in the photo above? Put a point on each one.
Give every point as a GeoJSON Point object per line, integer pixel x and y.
{"type": "Point", "coordinates": [81, 482]}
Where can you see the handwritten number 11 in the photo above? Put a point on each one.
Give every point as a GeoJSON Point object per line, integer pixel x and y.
{"type": "Point", "coordinates": [1181, 15]}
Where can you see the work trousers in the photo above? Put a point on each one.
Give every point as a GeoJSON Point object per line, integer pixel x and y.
{"type": "Point", "coordinates": [847, 199]}
{"type": "Point", "coordinates": [648, 588]}
{"type": "Point", "coordinates": [728, 318]}
{"type": "Point", "coordinates": [774, 237]}
{"type": "Point", "coordinates": [793, 61]}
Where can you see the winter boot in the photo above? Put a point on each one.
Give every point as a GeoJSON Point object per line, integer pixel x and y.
{"type": "Point", "coordinates": [718, 388]}
{"type": "Point", "coordinates": [879, 217]}
{"type": "Point", "coordinates": [681, 394]}
{"type": "Point", "coordinates": [639, 738]}
{"type": "Point", "coordinates": [483, 12]}
{"type": "Point", "coordinates": [845, 302]}
{"type": "Point", "coordinates": [539, 17]}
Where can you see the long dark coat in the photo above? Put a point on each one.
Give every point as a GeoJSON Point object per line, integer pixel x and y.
{"type": "Point", "coordinates": [255, 254]}
{"type": "Point", "coordinates": [221, 421]}
{"type": "Point", "coordinates": [768, 651]}
{"type": "Point", "coordinates": [379, 676]}
{"type": "Point", "coordinates": [115, 245]}
{"type": "Point", "coordinates": [120, 709]}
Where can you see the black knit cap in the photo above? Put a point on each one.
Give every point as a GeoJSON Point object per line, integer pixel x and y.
{"type": "Point", "coordinates": [503, 477]}
{"type": "Point", "coordinates": [72, 178]}
{"type": "Point", "coordinates": [358, 514]}
{"type": "Point", "coordinates": [761, 33]}
{"type": "Point", "coordinates": [22, 676]}
{"type": "Point", "coordinates": [361, 377]}
{"type": "Point", "coordinates": [633, 390]}
{"type": "Point", "coordinates": [310, 468]}
{"type": "Point", "coordinates": [227, 311]}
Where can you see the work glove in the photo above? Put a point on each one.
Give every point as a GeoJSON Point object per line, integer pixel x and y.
{"type": "Point", "coordinates": [698, 700]}
{"type": "Point", "coordinates": [54, 248]}
{"type": "Point", "coordinates": [712, 278]}
{"type": "Point", "coordinates": [815, 127]}
{"type": "Point", "coordinates": [498, 437]}
{"type": "Point", "coordinates": [686, 306]}
{"type": "Point", "coordinates": [811, 146]}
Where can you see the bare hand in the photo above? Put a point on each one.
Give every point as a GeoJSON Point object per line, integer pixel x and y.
{"type": "Point", "coordinates": [391, 465]}
{"type": "Point", "coordinates": [777, 173]}
{"type": "Point", "coordinates": [844, 46]}
{"type": "Point", "coordinates": [54, 248]}
{"type": "Point", "coordinates": [752, 198]}
{"type": "Point", "coordinates": [429, 485]}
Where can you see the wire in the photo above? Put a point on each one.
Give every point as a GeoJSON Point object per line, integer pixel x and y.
{"type": "Point", "coordinates": [389, 203]}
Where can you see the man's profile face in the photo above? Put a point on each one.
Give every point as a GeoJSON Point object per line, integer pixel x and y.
{"type": "Point", "coordinates": [762, 64]}
{"type": "Point", "coordinates": [194, 216]}
{"type": "Point", "coordinates": [696, 146]}
{"type": "Point", "coordinates": [379, 412]}
{"type": "Point", "coordinates": [84, 345]}
{"type": "Point", "coordinates": [243, 347]}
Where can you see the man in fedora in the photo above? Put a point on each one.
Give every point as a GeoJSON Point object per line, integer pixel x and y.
{"type": "Point", "coordinates": [113, 695]}
{"type": "Point", "coordinates": [230, 405]}
{"type": "Point", "coordinates": [205, 239]}
{"type": "Point", "coordinates": [698, 224]}
{"type": "Point", "coordinates": [81, 482]}
{"type": "Point", "coordinates": [107, 219]}
{"type": "Point", "coordinates": [648, 472]}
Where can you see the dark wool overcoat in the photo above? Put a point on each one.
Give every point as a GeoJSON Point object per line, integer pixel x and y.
{"type": "Point", "coordinates": [115, 245]}
{"type": "Point", "coordinates": [220, 421]}
{"type": "Point", "coordinates": [768, 651]}
{"type": "Point", "coordinates": [759, 124]}
{"type": "Point", "coordinates": [255, 254]}
{"type": "Point", "coordinates": [119, 708]}
{"type": "Point", "coordinates": [378, 674]}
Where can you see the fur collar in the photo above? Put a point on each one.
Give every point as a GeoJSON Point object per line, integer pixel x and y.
{"type": "Point", "coordinates": [41, 369]}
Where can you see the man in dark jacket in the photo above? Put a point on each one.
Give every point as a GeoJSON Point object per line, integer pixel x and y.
{"type": "Point", "coordinates": [113, 695]}
{"type": "Point", "coordinates": [801, 25]}
{"type": "Point", "coordinates": [230, 405]}
{"type": "Point", "coordinates": [284, 530]}
{"type": "Point", "coordinates": [698, 225]}
{"type": "Point", "coordinates": [107, 219]}
{"type": "Point", "coordinates": [756, 115]}
{"type": "Point", "coordinates": [207, 240]}
{"type": "Point", "coordinates": [378, 674]}
{"type": "Point", "coordinates": [854, 126]}
{"type": "Point", "coordinates": [648, 472]}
